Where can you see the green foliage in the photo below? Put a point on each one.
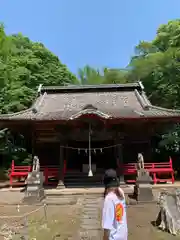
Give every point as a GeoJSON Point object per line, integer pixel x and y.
{"type": "Point", "coordinates": [171, 139]}
{"type": "Point", "coordinates": [157, 65]}
{"type": "Point", "coordinates": [23, 66]}
{"type": "Point", "coordinates": [12, 146]}
{"type": "Point", "coordinates": [115, 76]}
{"type": "Point", "coordinates": [89, 75]}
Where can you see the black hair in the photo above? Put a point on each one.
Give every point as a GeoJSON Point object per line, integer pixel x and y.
{"type": "Point", "coordinates": [116, 190]}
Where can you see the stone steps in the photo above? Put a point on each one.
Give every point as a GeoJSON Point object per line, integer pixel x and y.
{"type": "Point", "coordinates": [90, 227]}
{"type": "Point", "coordinates": [79, 179]}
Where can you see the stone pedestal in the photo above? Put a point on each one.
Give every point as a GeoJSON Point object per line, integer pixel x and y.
{"type": "Point", "coordinates": [143, 188]}
{"type": "Point", "coordinates": [34, 191]}
{"type": "Point", "coordinates": [60, 185]}
{"type": "Point", "coordinates": [121, 180]}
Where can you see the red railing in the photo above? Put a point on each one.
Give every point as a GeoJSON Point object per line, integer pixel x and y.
{"type": "Point", "coordinates": [18, 172]}
{"type": "Point", "coordinates": [155, 169]}
{"type": "Point", "coordinates": [50, 172]}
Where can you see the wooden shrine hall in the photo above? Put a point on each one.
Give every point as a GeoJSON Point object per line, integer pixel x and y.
{"type": "Point", "coordinates": [79, 131]}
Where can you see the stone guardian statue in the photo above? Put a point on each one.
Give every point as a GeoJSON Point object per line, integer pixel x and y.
{"type": "Point", "coordinates": [34, 191]}
{"type": "Point", "coordinates": [140, 161]}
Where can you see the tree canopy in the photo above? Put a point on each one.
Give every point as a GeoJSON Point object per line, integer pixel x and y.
{"type": "Point", "coordinates": [157, 65]}
{"type": "Point", "coordinates": [89, 75]}
{"type": "Point", "coordinates": [23, 66]}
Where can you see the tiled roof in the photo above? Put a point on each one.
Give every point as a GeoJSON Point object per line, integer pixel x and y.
{"type": "Point", "coordinates": [106, 101]}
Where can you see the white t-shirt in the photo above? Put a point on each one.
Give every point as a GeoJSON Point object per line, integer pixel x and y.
{"type": "Point", "coordinates": [114, 217]}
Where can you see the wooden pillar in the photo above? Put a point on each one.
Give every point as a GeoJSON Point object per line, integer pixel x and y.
{"type": "Point", "coordinates": [67, 156]}
{"type": "Point", "coordinates": [61, 168]}
{"type": "Point", "coordinates": [149, 151]}
{"type": "Point", "coordinates": [33, 140]}
{"type": "Point", "coordinates": [119, 156]}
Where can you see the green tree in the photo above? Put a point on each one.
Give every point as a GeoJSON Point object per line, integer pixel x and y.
{"type": "Point", "coordinates": [115, 76]}
{"type": "Point", "coordinates": [23, 66]}
{"type": "Point", "coordinates": [157, 65]}
{"type": "Point", "coordinates": [89, 75]}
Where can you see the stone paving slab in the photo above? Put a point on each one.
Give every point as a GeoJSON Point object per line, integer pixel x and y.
{"type": "Point", "coordinates": [90, 227]}
{"type": "Point", "coordinates": [74, 191]}
{"type": "Point", "coordinates": [86, 217]}
{"type": "Point", "coordinates": [11, 197]}
{"type": "Point", "coordinates": [89, 207]}
{"type": "Point", "coordinates": [14, 197]}
{"type": "Point", "coordinates": [90, 211]}
{"type": "Point", "coordinates": [90, 221]}
{"type": "Point", "coordinates": [59, 196]}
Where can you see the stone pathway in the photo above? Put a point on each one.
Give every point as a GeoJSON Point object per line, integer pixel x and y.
{"type": "Point", "coordinates": [90, 227]}
{"type": "Point", "coordinates": [8, 197]}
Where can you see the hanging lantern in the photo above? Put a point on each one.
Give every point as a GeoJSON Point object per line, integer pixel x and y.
{"type": "Point", "coordinates": [86, 151]}
{"type": "Point", "coordinates": [101, 150]}
{"type": "Point", "coordinates": [94, 151]}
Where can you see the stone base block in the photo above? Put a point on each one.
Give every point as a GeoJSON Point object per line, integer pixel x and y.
{"type": "Point", "coordinates": [145, 194]}
{"type": "Point", "coordinates": [60, 185]}
{"type": "Point", "coordinates": [34, 196]}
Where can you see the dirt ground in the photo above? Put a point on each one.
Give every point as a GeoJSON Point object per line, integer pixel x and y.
{"type": "Point", "coordinates": [139, 223]}
{"type": "Point", "coordinates": [64, 222]}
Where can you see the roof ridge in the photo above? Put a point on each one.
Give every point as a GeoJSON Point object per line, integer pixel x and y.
{"type": "Point", "coordinates": [91, 85]}
{"type": "Point", "coordinates": [16, 113]}
{"type": "Point", "coordinates": [145, 98]}
{"type": "Point", "coordinates": [141, 100]}
{"type": "Point", "coordinates": [165, 109]}
{"type": "Point", "coordinates": [97, 87]}
{"type": "Point", "coordinates": [145, 101]}
{"type": "Point", "coordinates": [38, 104]}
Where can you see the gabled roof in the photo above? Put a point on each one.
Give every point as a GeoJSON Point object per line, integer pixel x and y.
{"type": "Point", "coordinates": [106, 101]}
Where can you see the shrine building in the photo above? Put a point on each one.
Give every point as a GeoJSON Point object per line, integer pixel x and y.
{"type": "Point", "coordinates": [84, 129]}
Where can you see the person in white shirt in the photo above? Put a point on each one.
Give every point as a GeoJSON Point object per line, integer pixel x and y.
{"type": "Point", "coordinates": [114, 220]}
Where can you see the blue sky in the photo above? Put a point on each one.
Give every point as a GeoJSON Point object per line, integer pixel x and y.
{"type": "Point", "coordinates": [95, 32]}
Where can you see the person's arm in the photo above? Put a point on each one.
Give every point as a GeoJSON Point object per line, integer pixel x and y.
{"type": "Point", "coordinates": [122, 192]}
{"type": "Point", "coordinates": [107, 218]}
